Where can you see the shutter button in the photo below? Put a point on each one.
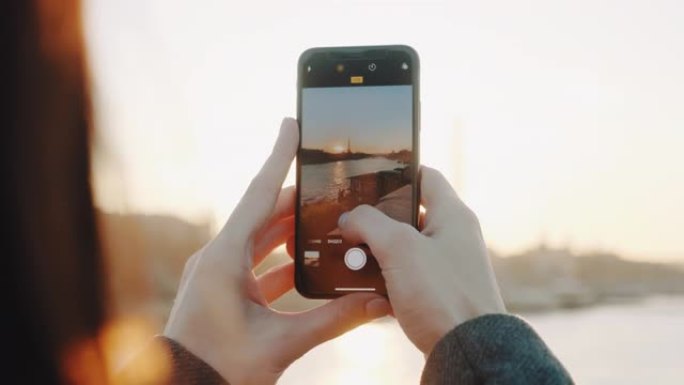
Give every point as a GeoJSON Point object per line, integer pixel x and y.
{"type": "Point", "coordinates": [355, 258]}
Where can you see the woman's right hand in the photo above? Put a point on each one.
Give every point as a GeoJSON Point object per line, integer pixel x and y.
{"type": "Point", "coordinates": [437, 278]}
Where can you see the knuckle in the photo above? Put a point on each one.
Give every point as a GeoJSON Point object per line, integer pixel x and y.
{"type": "Point", "coordinates": [400, 237]}
{"type": "Point", "coordinates": [430, 172]}
{"type": "Point", "coordinates": [470, 217]}
{"type": "Point", "coordinates": [190, 262]}
{"type": "Point", "coordinates": [362, 210]}
{"type": "Point", "coordinates": [359, 213]}
{"type": "Point", "coordinates": [259, 185]}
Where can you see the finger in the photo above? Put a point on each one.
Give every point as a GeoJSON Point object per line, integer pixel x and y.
{"type": "Point", "coordinates": [258, 202]}
{"type": "Point", "coordinates": [285, 204]}
{"type": "Point", "coordinates": [276, 281]}
{"type": "Point", "coordinates": [366, 224]}
{"type": "Point", "coordinates": [272, 231]}
{"type": "Point", "coordinates": [435, 190]}
{"type": "Point", "coordinates": [442, 204]}
{"type": "Point", "coordinates": [290, 246]}
{"type": "Point", "coordinates": [326, 322]}
{"type": "Point", "coordinates": [188, 269]}
{"type": "Point", "coordinates": [270, 238]}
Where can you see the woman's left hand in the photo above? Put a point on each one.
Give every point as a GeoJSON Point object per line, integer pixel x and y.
{"type": "Point", "coordinates": [221, 312]}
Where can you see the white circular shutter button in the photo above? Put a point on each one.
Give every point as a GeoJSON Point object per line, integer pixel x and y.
{"type": "Point", "coordinates": [355, 258]}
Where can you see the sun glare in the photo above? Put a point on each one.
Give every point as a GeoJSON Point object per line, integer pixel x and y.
{"type": "Point", "coordinates": [338, 148]}
{"type": "Point", "coordinates": [366, 349]}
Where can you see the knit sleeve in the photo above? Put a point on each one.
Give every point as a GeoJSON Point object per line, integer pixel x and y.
{"type": "Point", "coordinates": [493, 349]}
{"type": "Point", "coordinates": [188, 369]}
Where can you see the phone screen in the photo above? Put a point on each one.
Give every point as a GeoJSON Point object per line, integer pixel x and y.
{"type": "Point", "coordinates": [356, 147]}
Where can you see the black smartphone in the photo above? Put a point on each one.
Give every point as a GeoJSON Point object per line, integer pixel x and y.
{"type": "Point", "coordinates": [359, 116]}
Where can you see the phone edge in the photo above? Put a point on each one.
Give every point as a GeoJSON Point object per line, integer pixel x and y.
{"type": "Point", "coordinates": [415, 80]}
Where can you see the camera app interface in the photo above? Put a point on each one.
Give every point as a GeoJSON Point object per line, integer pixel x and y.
{"type": "Point", "coordinates": [356, 148]}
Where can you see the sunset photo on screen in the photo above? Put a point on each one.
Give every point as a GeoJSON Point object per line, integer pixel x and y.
{"type": "Point", "coordinates": [356, 149]}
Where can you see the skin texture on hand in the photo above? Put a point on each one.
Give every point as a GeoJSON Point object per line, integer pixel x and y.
{"type": "Point", "coordinates": [437, 278]}
{"type": "Point", "coordinates": [221, 311]}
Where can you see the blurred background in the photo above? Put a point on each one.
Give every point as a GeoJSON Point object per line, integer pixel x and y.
{"type": "Point", "coordinates": [560, 123]}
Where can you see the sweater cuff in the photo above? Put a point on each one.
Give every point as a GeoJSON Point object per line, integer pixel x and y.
{"type": "Point", "coordinates": [496, 349]}
{"type": "Point", "coordinates": [187, 368]}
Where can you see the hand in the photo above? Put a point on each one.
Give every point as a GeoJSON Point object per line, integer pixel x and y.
{"type": "Point", "coordinates": [221, 312]}
{"type": "Point", "coordinates": [437, 278]}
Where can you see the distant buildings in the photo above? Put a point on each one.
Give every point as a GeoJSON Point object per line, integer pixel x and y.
{"type": "Point", "coordinates": [545, 278]}
{"type": "Point", "coordinates": [146, 255]}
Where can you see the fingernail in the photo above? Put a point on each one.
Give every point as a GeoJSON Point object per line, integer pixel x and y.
{"type": "Point", "coordinates": [343, 219]}
{"type": "Point", "coordinates": [377, 308]}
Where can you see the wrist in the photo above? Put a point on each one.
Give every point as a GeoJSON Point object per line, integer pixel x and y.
{"type": "Point", "coordinates": [441, 326]}
{"type": "Point", "coordinates": [444, 325]}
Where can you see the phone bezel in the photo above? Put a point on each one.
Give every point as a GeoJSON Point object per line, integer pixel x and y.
{"type": "Point", "coordinates": [356, 52]}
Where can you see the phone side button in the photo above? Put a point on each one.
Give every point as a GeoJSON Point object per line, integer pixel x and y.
{"type": "Point", "coordinates": [355, 258]}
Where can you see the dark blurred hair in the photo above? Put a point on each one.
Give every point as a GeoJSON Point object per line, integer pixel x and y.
{"type": "Point", "coordinates": [52, 289]}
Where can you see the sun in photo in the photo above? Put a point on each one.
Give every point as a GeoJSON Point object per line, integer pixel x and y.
{"type": "Point", "coordinates": [338, 148]}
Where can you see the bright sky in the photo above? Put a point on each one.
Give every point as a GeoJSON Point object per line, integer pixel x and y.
{"type": "Point", "coordinates": [376, 119]}
{"type": "Point", "coordinates": [555, 120]}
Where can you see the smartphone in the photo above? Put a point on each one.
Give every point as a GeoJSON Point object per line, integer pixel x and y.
{"type": "Point", "coordinates": [359, 116]}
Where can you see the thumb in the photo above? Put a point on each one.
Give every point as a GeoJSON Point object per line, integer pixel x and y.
{"type": "Point", "coordinates": [333, 319]}
{"type": "Point", "coordinates": [366, 224]}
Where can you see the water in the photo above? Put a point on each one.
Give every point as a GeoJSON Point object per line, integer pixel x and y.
{"type": "Point", "coordinates": [637, 343]}
{"type": "Point", "coordinates": [325, 180]}
{"type": "Point", "coordinates": [632, 343]}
